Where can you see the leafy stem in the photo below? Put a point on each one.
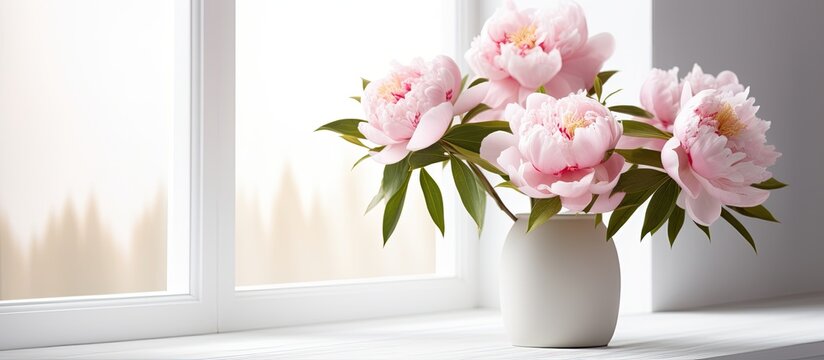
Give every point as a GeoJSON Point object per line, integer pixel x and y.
{"type": "Point", "coordinates": [491, 190]}
{"type": "Point", "coordinates": [484, 181]}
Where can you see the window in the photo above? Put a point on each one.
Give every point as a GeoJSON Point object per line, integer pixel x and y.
{"type": "Point", "coordinates": [122, 164]}
{"type": "Point", "coordinates": [96, 189]}
{"type": "Point", "coordinates": [88, 202]}
{"type": "Point", "coordinates": [301, 239]}
{"type": "Point", "coordinates": [300, 210]}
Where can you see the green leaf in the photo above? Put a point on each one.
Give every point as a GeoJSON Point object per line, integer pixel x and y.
{"type": "Point", "coordinates": [770, 184]}
{"type": "Point", "coordinates": [356, 98]}
{"type": "Point", "coordinates": [508, 185]}
{"type": "Point", "coordinates": [392, 212]}
{"type": "Point", "coordinates": [476, 159]}
{"type": "Point", "coordinates": [639, 180]}
{"type": "Point", "coordinates": [364, 82]}
{"type": "Point", "coordinates": [469, 136]}
{"type": "Point", "coordinates": [660, 207]}
{"type": "Point", "coordinates": [643, 130]}
{"type": "Point", "coordinates": [597, 86]}
{"type": "Point", "coordinates": [434, 199]}
{"type": "Point", "coordinates": [631, 110]}
{"type": "Point", "coordinates": [474, 112]}
{"type": "Point", "coordinates": [604, 101]}
{"type": "Point", "coordinates": [676, 220]}
{"type": "Point", "coordinates": [628, 206]}
{"type": "Point", "coordinates": [375, 201]}
{"type": "Point", "coordinates": [739, 227]}
{"type": "Point", "coordinates": [705, 229]}
{"type": "Point", "coordinates": [543, 210]}
{"type": "Point", "coordinates": [361, 159]}
{"type": "Point", "coordinates": [471, 193]}
{"type": "Point", "coordinates": [619, 217]}
{"type": "Point", "coordinates": [758, 212]}
{"type": "Point", "coordinates": [477, 81]}
{"type": "Point", "coordinates": [434, 153]}
{"type": "Point", "coordinates": [463, 80]}
{"type": "Point", "coordinates": [602, 76]}
{"type": "Point", "coordinates": [591, 204]}
{"type": "Point", "coordinates": [642, 157]}
{"type": "Point", "coordinates": [393, 177]}
{"type": "Point", "coordinates": [344, 127]}
{"type": "Point", "coordinates": [353, 140]}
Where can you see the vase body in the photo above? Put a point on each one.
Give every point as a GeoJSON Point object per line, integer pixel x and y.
{"type": "Point", "coordinates": [560, 285]}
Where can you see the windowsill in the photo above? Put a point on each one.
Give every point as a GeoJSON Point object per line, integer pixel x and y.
{"type": "Point", "coordinates": [786, 328]}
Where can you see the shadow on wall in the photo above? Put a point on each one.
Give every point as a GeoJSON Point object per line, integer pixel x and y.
{"type": "Point", "coordinates": [331, 240]}
{"type": "Point", "coordinates": [78, 256]}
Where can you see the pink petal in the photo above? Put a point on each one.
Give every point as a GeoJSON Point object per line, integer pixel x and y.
{"type": "Point", "coordinates": [576, 204]}
{"type": "Point", "coordinates": [452, 70]}
{"type": "Point", "coordinates": [703, 209]}
{"type": "Point", "coordinates": [686, 94]}
{"type": "Point", "coordinates": [530, 181]}
{"type": "Point", "coordinates": [470, 98]}
{"type": "Point", "coordinates": [502, 92]}
{"type": "Point", "coordinates": [676, 164]}
{"type": "Point", "coordinates": [589, 145]}
{"type": "Point", "coordinates": [494, 144]}
{"type": "Point", "coordinates": [579, 70]}
{"type": "Point", "coordinates": [375, 135]}
{"type": "Point", "coordinates": [607, 174]}
{"type": "Point", "coordinates": [432, 126]}
{"type": "Point", "coordinates": [533, 69]}
{"type": "Point", "coordinates": [743, 196]}
{"type": "Point", "coordinates": [606, 203]}
{"type": "Point", "coordinates": [390, 154]}
{"type": "Point", "coordinates": [573, 187]}
{"type": "Point", "coordinates": [489, 115]}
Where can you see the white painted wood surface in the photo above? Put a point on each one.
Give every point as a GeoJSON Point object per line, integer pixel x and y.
{"type": "Point", "coordinates": [788, 328]}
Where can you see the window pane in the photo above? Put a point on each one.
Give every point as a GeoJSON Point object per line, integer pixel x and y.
{"type": "Point", "coordinates": [93, 95]}
{"type": "Point", "coordinates": [299, 210]}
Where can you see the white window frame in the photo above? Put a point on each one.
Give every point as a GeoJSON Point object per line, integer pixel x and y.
{"type": "Point", "coordinates": [294, 304]}
{"type": "Point", "coordinates": [213, 304]}
{"type": "Point", "coordinates": [57, 321]}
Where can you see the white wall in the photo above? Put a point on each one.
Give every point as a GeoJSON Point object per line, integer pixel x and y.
{"type": "Point", "coordinates": [776, 47]}
{"type": "Point", "coordinates": [630, 23]}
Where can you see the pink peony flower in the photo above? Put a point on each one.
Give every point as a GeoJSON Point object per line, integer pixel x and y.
{"type": "Point", "coordinates": [411, 108]}
{"type": "Point", "coordinates": [557, 148]}
{"type": "Point", "coordinates": [661, 96]}
{"type": "Point", "coordinates": [661, 91]}
{"type": "Point", "coordinates": [718, 151]}
{"type": "Point", "coordinates": [521, 50]}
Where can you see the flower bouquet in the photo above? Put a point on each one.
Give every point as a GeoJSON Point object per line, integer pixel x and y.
{"type": "Point", "coordinates": [538, 116]}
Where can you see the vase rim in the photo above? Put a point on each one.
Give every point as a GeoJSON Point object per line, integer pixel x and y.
{"type": "Point", "coordinates": [561, 216]}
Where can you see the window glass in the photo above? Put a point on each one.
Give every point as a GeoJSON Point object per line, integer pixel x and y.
{"type": "Point", "coordinates": [299, 205]}
{"type": "Point", "coordinates": [93, 129]}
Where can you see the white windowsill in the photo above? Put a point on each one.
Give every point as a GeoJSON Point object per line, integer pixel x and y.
{"type": "Point", "coordinates": [786, 328]}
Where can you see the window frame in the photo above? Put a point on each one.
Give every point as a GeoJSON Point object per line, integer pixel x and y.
{"type": "Point", "coordinates": [85, 319]}
{"type": "Point", "coordinates": [305, 303]}
{"type": "Point", "coordinates": [213, 304]}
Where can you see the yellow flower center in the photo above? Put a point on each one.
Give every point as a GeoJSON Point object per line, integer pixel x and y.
{"type": "Point", "coordinates": [572, 123]}
{"type": "Point", "coordinates": [729, 124]}
{"type": "Point", "coordinates": [388, 88]}
{"type": "Point", "coordinates": [524, 38]}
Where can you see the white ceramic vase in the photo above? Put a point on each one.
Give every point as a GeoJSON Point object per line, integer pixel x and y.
{"type": "Point", "coordinates": [560, 284]}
